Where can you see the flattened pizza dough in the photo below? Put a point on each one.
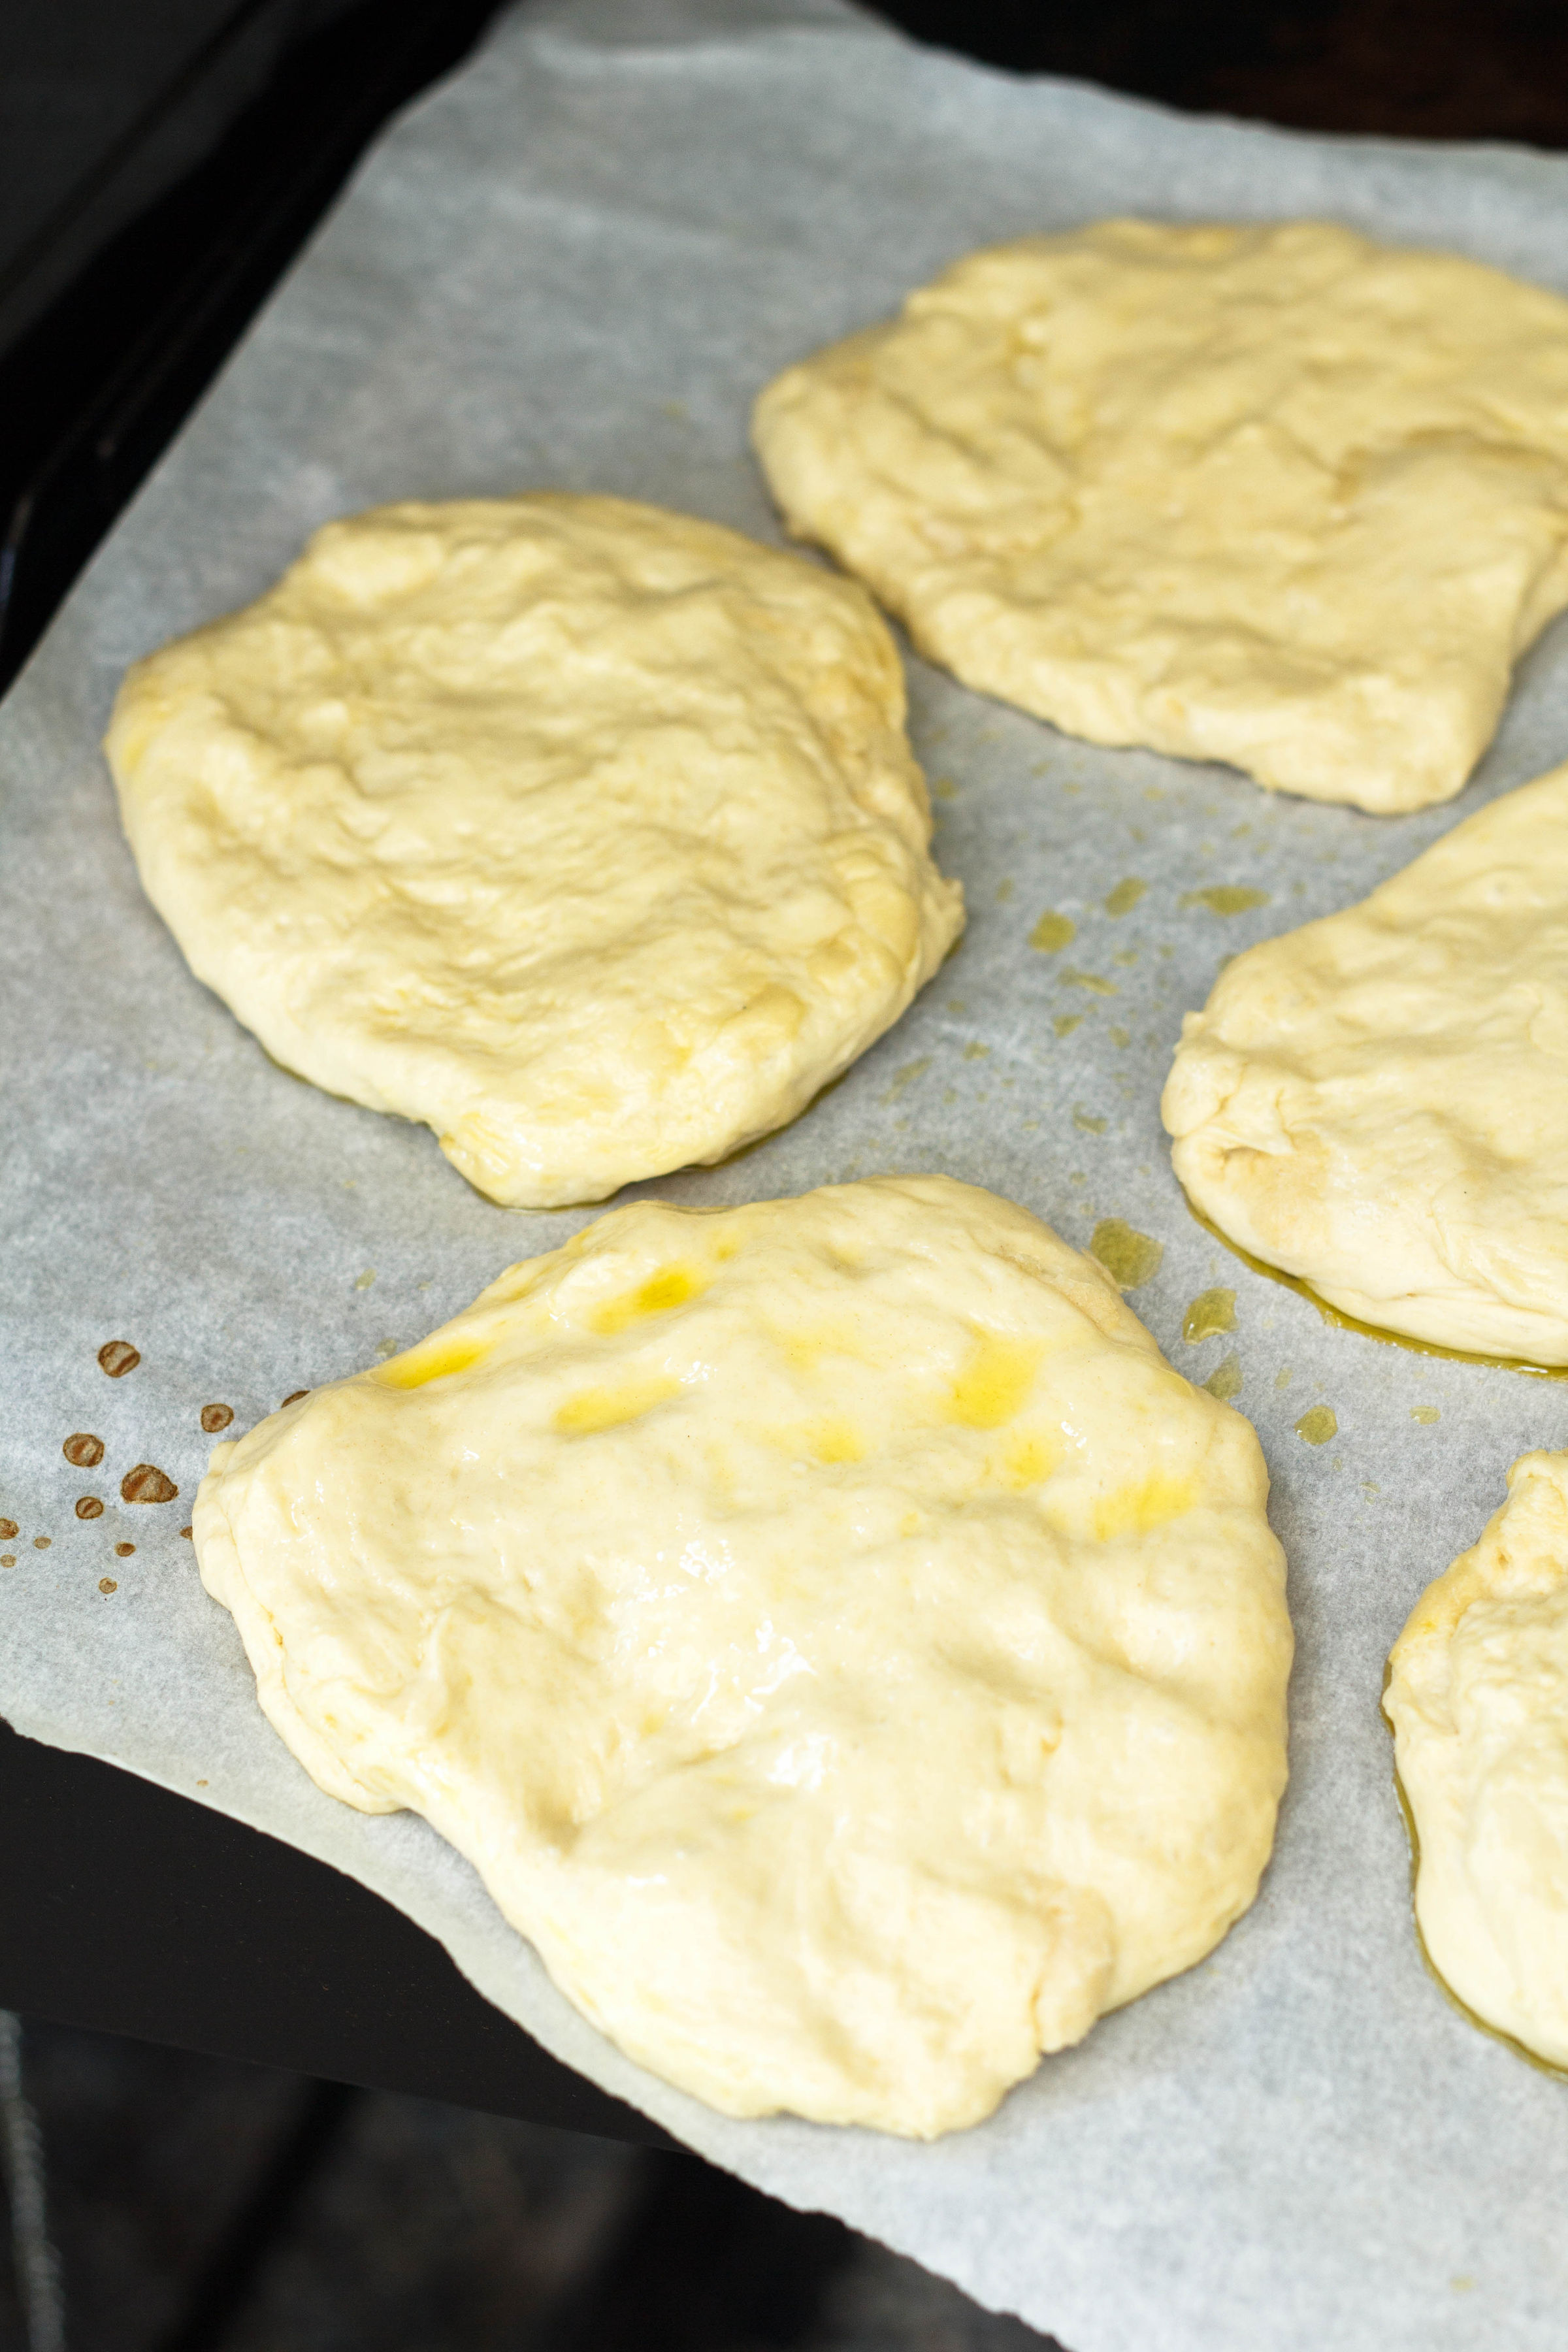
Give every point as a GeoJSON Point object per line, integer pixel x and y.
{"type": "Point", "coordinates": [838, 1639]}
{"type": "Point", "coordinates": [1477, 1696]}
{"type": "Point", "coordinates": [1378, 1102]}
{"type": "Point", "coordinates": [1272, 495]}
{"type": "Point", "coordinates": [587, 834]}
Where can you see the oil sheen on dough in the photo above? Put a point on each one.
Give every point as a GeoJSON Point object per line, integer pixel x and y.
{"type": "Point", "coordinates": [838, 1639]}
{"type": "Point", "coordinates": [587, 834]}
{"type": "Point", "coordinates": [1378, 1102]}
{"type": "Point", "coordinates": [1272, 495]}
{"type": "Point", "coordinates": [1477, 1696]}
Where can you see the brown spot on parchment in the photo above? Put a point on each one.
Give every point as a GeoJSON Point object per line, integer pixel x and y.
{"type": "Point", "coordinates": [216, 1417]}
{"type": "Point", "coordinates": [1211, 1311]}
{"type": "Point", "coordinates": [294, 1397]}
{"type": "Point", "coordinates": [8, 1529]}
{"type": "Point", "coordinates": [1226, 899]}
{"type": "Point", "coordinates": [189, 1532]}
{"type": "Point", "coordinates": [40, 1543]}
{"type": "Point", "coordinates": [1130, 1258]}
{"type": "Point", "coordinates": [8, 1560]}
{"type": "Point", "coordinates": [147, 1484]}
{"type": "Point", "coordinates": [90, 1508]}
{"type": "Point", "coordinates": [1052, 933]}
{"type": "Point", "coordinates": [123, 1551]}
{"type": "Point", "coordinates": [83, 1452]}
{"type": "Point", "coordinates": [107, 1584]}
{"type": "Point", "coordinates": [118, 1357]}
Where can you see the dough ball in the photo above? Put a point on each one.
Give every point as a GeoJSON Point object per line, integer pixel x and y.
{"type": "Point", "coordinates": [1271, 494]}
{"type": "Point", "coordinates": [840, 1642]}
{"type": "Point", "coordinates": [1477, 1696]}
{"type": "Point", "coordinates": [1378, 1102]}
{"type": "Point", "coordinates": [586, 834]}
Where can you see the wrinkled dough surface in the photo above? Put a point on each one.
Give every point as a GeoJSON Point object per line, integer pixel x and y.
{"type": "Point", "coordinates": [1477, 1696]}
{"type": "Point", "coordinates": [1378, 1102]}
{"type": "Point", "coordinates": [588, 835]}
{"type": "Point", "coordinates": [838, 1639]}
{"type": "Point", "coordinates": [1273, 495]}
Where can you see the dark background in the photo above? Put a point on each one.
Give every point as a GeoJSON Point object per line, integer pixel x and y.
{"type": "Point", "coordinates": [161, 161]}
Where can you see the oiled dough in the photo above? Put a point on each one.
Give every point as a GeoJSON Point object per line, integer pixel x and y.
{"type": "Point", "coordinates": [1271, 494]}
{"type": "Point", "coordinates": [841, 1643]}
{"type": "Point", "coordinates": [1478, 1695]}
{"type": "Point", "coordinates": [587, 834]}
{"type": "Point", "coordinates": [1379, 1101]}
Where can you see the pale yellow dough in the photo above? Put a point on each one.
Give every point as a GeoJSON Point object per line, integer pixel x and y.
{"type": "Point", "coordinates": [1378, 1102]}
{"type": "Point", "coordinates": [1273, 495]}
{"type": "Point", "coordinates": [587, 834]}
{"type": "Point", "coordinates": [840, 1642]}
{"type": "Point", "coordinates": [1477, 1696]}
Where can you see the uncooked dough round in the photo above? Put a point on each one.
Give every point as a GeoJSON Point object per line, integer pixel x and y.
{"type": "Point", "coordinates": [837, 1638]}
{"type": "Point", "coordinates": [1477, 1696]}
{"type": "Point", "coordinates": [1271, 494]}
{"type": "Point", "coordinates": [1378, 1102]}
{"type": "Point", "coordinates": [587, 834]}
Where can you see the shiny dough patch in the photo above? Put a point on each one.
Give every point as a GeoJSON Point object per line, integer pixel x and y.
{"type": "Point", "coordinates": [586, 834]}
{"type": "Point", "coordinates": [1378, 1102]}
{"type": "Point", "coordinates": [1271, 494]}
{"type": "Point", "coordinates": [1477, 1696]}
{"type": "Point", "coordinates": [840, 1642]}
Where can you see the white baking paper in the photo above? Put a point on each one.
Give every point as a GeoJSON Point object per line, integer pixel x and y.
{"type": "Point", "coordinates": [574, 266]}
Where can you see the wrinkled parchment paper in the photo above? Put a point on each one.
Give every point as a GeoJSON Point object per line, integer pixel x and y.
{"type": "Point", "coordinates": [574, 266]}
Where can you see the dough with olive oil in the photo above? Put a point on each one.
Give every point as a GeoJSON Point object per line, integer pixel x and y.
{"type": "Point", "coordinates": [1378, 1102]}
{"type": "Point", "coordinates": [1477, 1696]}
{"type": "Point", "coordinates": [838, 1639]}
{"type": "Point", "coordinates": [587, 834]}
{"type": "Point", "coordinates": [1274, 494]}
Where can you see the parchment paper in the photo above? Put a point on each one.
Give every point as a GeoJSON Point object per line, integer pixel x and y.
{"type": "Point", "coordinates": [574, 266]}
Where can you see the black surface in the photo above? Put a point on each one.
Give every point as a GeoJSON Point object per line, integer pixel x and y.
{"type": "Point", "coordinates": [201, 2206]}
{"type": "Point", "coordinates": [702, 2262]}
{"type": "Point", "coordinates": [1406, 68]}
{"type": "Point", "coordinates": [102, 109]}
{"type": "Point", "coordinates": [128, 1909]}
{"type": "Point", "coordinates": [94, 388]}
{"type": "Point", "coordinates": [227, 2279]}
